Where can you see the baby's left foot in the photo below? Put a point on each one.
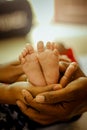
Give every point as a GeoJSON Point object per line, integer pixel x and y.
{"type": "Point", "coordinates": [48, 59]}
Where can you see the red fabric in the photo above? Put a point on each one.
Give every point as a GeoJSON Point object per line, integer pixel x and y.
{"type": "Point", "coordinates": [70, 54]}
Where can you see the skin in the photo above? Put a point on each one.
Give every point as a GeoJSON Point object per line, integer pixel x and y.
{"type": "Point", "coordinates": [29, 104]}
{"type": "Point", "coordinates": [9, 93]}
{"type": "Point", "coordinates": [66, 103]}
{"type": "Point", "coordinates": [41, 66]}
{"type": "Point", "coordinates": [60, 105]}
{"type": "Point", "coordinates": [11, 72]}
{"type": "Point", "coordinates": [13, 92]}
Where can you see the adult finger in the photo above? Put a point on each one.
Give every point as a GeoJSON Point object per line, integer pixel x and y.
{"type": "Point", "coordinates": [31, 92]}
{"type": "Point", "coordinates": [71, 72]}
{"type": "Point", "coordinates": [52, 96]}
{"type": "Point", "coordinates": [67, 94]}
{"type": "Point", "coordinates": [41, 118]}
{"type": "Point", "coordinates": [27, 96]}
{"type": "Point", "coordinates": [64, 58]}
{"type": "Point", "coordinates": [68, 74]}
{"type": "Point", "coordinates": [37, 90]}
{"type": "Point", "coordinates": [63, 66]}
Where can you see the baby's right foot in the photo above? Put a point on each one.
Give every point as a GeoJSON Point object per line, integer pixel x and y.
{"type": "Point", "coordinates": [48, 59]}
{"type": "Point", "coordinates": [31, 66]}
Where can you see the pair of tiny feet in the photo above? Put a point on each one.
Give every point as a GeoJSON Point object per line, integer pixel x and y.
{"type": "Point", "coordinates": [41, 66]}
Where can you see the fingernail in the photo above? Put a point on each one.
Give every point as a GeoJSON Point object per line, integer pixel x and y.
{"type": "Point", "coordinates": [23, 91]}
{"type": "Point", "coordinates": [40, 99]}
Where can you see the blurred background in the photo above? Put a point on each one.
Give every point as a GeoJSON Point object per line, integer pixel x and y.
{"type": "Point", "coordinates": [63, 21]}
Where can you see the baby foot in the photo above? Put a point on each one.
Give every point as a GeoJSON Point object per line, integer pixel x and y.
{"type": "Point", "coordinates": [31, 66]}
{"type": "Point", "coordinates": [48, 59]}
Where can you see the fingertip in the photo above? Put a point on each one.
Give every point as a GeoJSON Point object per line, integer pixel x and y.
{"type": "Point", "coordinates": [27, 95]}
{"type": "Point", "coordinates": [24, 92]}
{"type": "Point", "coordinates": [74, 65]}
{"type": "Point", "coordinates": [57, 87]}
{"type": "Point", "coordinates": [22, 106]}
{"type": "Point", "coordinates": [40, 98]}
{"type": "Point", "coordinates": [18, 103]}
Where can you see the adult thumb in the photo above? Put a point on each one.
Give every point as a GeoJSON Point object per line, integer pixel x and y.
{"type": "Point", "coordinates": [52, 96]}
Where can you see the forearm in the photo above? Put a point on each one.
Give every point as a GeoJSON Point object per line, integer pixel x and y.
{"type": "Point", "coordinates": [10, 72]}
{"type": "Point", "coordinates": [10, 93]}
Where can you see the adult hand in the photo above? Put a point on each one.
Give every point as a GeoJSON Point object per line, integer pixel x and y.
{"type": "Point", "coordinates": [60, 105]}
{"type": "Point", "coordinates": [53, 111]}
{"type": "Point", "coordinates": [41, 113]}
{"type": "Point", "coordinates": [75, 73]}
{"type": "Point", "coordinates": [73, 97]}
{"type": "Point", "coordinates": [69, 72]}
